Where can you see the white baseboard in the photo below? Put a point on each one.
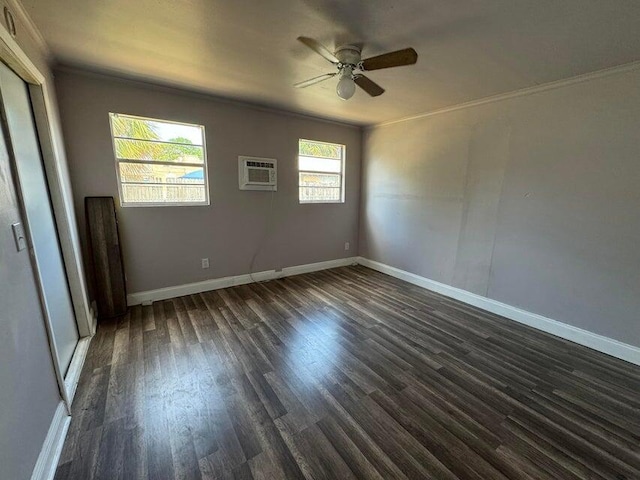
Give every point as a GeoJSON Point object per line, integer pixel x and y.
{"type": "Point", "coordinates": [75, 367]}
{"type": "Point", "coordinates": [47, 463]}
{"type": "Point", "coordinates": [589, 339]}
{"type": "Point", "coordinates": [225, 282]}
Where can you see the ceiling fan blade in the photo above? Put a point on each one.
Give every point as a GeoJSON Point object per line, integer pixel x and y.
{"type": "Point", "coordinates": [314, 80]}
{"type": "Point", "coordinates": [408, 56]}
{"type": "Point", "coordinates": [368, 85]}
{"type": "Point", "coordinates": [319, 48]}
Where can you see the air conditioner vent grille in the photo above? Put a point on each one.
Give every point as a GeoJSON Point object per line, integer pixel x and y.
{"type": "Point", "coordinates": [258, 175]}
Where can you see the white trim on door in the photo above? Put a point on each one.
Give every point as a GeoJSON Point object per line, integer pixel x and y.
{"type": "Point", "coordinates": [47, 462]}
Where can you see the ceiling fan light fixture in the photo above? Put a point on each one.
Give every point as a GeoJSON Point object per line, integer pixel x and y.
{"type": "Point", "coordinates": [347, 60]}
{"type": "Point", "coordinates": [346, 87]}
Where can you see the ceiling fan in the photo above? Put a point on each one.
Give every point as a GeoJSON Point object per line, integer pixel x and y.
{"type": "Point", "coordinates": [349, 64]}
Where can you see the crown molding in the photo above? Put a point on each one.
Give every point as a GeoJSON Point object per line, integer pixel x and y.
{"type": "Point", "coordinates": [565, 82]}
{"type": "Point", "coordinates": [160, 85]}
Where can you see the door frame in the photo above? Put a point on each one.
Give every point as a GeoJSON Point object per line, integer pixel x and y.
{"type": "Point", "coordinates": [41, 97]}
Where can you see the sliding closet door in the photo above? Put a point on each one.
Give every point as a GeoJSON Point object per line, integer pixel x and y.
{"type": "Point", "coordinates": [28, 388]}
{"type": "Point", "coordinates": [32, 185]}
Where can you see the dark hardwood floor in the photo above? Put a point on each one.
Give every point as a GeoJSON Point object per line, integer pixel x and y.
{"type": "Point", "coordinates": [341, 374]}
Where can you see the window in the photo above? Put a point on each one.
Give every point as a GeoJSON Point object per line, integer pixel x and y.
{"type": "Point", "coordinates": [159, 162]}
{"type": "Point", "coordinates": [320, 172]}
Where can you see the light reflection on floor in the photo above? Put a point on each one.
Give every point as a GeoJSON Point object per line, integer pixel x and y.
{"type": "Point", "coordinates": [316, 348]}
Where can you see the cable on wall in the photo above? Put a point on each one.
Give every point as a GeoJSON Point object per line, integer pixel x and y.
{"type": "Point", "coordinates": [265, 235]}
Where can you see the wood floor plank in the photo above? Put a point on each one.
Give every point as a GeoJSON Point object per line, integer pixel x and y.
{"type": "Point", "coordinates": [345, 373]}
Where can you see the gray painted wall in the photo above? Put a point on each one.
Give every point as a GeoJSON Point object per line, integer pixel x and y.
{"type": "Point", "coordinates": [532, 201]}
{"type": "Point", "coordinates": [162, 246]}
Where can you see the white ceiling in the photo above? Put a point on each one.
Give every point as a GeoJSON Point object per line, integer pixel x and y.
{"type": "Point", "coordinates": [247, 49]}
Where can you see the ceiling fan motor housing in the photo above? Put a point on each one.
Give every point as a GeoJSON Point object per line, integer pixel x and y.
{"type": "Point", "coordinates": [348, 55]}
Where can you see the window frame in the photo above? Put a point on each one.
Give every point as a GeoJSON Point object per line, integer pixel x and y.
{"type": "Point", "coordinates": [203, 165]}
{"type": "Point", "coordinates": [343, 161]}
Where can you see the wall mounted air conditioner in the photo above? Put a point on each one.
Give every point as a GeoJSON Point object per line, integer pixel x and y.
{"type": "Point", "coordinates": [255, 173]}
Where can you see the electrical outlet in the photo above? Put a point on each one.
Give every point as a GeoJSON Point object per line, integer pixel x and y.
{"type": "Point", "coordinates": [346, 246]}
{"type": "Point", "coordinates": [205, 263]}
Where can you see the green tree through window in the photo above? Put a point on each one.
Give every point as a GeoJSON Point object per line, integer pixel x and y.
{"type": "Point", "coordinates": [157, 163]}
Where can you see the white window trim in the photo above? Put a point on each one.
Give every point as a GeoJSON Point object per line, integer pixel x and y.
{"type": "Point", "coordinates": [203, 165]}
{"type": "Point", "coordinates": [342, 174]}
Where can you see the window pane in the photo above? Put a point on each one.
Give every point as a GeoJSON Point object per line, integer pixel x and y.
{"type": "Point", "coordinates": [159, 161]}
{"type": "Point", "coordinates": [319, 180]}
{"type": "Point", "coordinates": [147, 129]}
{"type": "Point", "coordinates": [140, 193]}
{"type": "Point", "coordinates": [319, 194]}
{"type": "Point", "coordinates": [319, 164]}
{"type": "Point", "coordinates": [158, 173]}
{"type": "Point", "coordinates": [320, 171]}
{"type": "Point", "coordinates": [319, 149]}
{"type": "Point", "coordinates": [159, 152]}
